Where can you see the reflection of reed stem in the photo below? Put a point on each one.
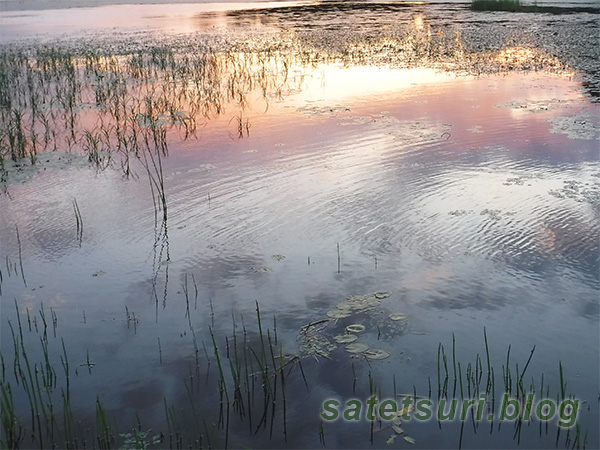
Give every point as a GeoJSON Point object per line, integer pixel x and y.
{"type": "Point", "coordinates": [20, 255]}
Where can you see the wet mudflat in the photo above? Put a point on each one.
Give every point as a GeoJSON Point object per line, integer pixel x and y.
{"type": "Point", "coordinates": [207, 232]}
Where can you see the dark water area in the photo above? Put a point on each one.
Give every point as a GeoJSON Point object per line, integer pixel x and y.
{"type": "Point", "coordinates": [358, 201]}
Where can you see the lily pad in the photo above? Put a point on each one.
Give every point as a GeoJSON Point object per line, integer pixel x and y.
{"type": "Point", "coordinates": [338, 314]}
{"type": "Point", "coordinates": [376, 353]}
{"type": "Point", "coordinates": [345, 338]}
{"type": "Point", "coordinates": [355, 328]}
{"type": "Point", "coordinates": [357, 347]}
{"type": "Point", "coordinates": [398, 316]}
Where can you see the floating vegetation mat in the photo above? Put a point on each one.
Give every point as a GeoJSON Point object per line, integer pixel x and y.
{"type": "Point", "coordinates": [321, 337]}
{"type": "Point", "coordinates": [338, 314]}
{"type": "Point", "coordinates": [313, 342]}
{"type": "Point", "coordinates": [581, 126]}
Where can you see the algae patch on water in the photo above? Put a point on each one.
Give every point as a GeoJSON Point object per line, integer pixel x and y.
{"type": "Point", "coordinates": [338, 314]}
{"type": "Point", "coordinates": [575, 127]}
{"type": "Point", "coordinates": [23, 170]}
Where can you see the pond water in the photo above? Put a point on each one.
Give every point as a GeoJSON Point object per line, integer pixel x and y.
{"type": "Point", "coordinates": [467, 190]}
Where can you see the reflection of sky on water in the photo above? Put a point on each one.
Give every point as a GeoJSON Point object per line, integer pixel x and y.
{"type": "Point", "coordinates": [375, 165]}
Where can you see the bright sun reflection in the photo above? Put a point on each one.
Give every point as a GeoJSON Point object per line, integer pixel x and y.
{"type": "Point", "coordinates": [516, 55]}
{"type": "Point", "coordinates": [335, 82]}
{"type": "Point", "coordinates": [526, 57]}
{"type": "Point", "coordinates": [419, 23]}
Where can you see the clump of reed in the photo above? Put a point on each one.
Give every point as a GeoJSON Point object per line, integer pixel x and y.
{"type": "Point", "coordinates": [37, 399]}
{"type": "Point", "coordinates": [518, 6]}
{"type": "Point", "coordinates": [51, 96]}
{"type": "Point", "coordinates": [497, 5]}
{"type": "Point", "coordinates": [477, 380]}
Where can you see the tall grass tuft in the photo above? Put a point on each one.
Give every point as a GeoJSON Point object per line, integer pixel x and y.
{"type": "Point", "coordinates": [497, 5]}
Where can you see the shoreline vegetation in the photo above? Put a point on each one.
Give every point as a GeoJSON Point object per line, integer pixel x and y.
{"type": "Point", "coordinates": [104, 104]}
{"type": "Point", "coordinates": [518, 6]}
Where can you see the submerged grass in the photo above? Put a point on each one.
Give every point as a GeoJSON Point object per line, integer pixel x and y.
{"type": "Point", "coordinates": [253, 389]}
{"type": "Point", "coordinates": [29, 417]}
{"type": "Point", "coordinates": [480, 384]}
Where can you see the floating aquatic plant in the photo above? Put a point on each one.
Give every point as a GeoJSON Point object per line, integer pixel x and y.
{"type": "Point", "coordinates": [355, 328]}
{"type": "Point", "coordinates": [345, 338]}
{"type": "Point", "coordinates": [338, 314]}
{"type": "Point", "coordinates": [357, 347]}
{"type": "Point", "coordinates": [375, 353]}
{"type": "Point", "coordinates": [398, 316]}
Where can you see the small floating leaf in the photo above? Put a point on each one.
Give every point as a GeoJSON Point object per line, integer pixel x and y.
{"type": "Point", "coordinates": [397, 429]}
{"type": "Point", "coordinates": [338, 314]}
{"type": "Point", "coordinates": [357, 347]}
{"type": "Point", "coordinates": [409, 440]}
{"type": "Point", "coordinates": [345, 338]}
{"type": "Point", "coordinates": [376, 353]}
{"type": "Point", "coordinates": [397, 420]}
{"type": "Point", "coordinates": [391, 439]}
{"type": "Point", "coordinates": [398, 316]}
{"type": "Point", "coordinates": [408, 409]}
{"type": "Point", "coordinates": [355, 328]}
{"type": "Point", "coordinates": [382, 294]}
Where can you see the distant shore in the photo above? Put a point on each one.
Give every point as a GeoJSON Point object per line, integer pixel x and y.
{"type": "Point", "coordinates": [37, 5]}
